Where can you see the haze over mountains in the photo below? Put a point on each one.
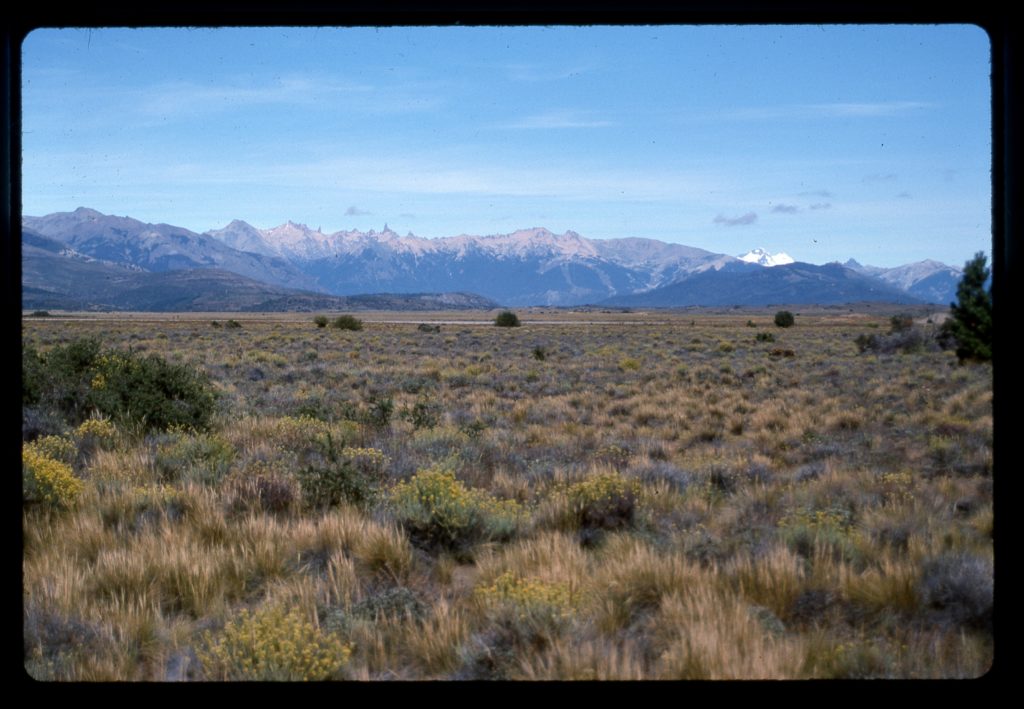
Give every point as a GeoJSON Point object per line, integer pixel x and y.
{"type": "Point", "coordinates": [98, 260]}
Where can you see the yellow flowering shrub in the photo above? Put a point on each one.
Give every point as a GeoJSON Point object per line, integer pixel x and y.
{"type": "Point", "coordinates": [56, 447]}
{"type": "Point", "coordinates": [804, 527]}
{"type": "Point", "coordinates": [439, 511]}
{"type": "Point", "coordinates": [832, 519]}
{"type": "Point", "coordinates": [297, 432]}
{"type": "Point", "coordinates": [603, 501]}
{"type": "Point", "coordinates": [524, 617]}
{"type": "Point", "coordinates": [273, 644]}
{"type": "Point", "coordinates": [98, 431]}
{"type": "Point", "coordinates": [46, 479]}
{"type": "Point", "coordinates": [526, 598]}
{"type": "Point", "coordinates": [897, 488]}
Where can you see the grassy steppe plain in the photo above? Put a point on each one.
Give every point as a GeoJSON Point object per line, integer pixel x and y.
{"type": "Point", "coordinates": [601, 496]}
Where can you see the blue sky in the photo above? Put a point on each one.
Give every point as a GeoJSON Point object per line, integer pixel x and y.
{"type": "Point", "coordinates": [827, 142]}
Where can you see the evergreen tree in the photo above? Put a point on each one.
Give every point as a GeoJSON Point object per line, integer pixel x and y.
{"type": "Point", "coordinates": [971, 322]}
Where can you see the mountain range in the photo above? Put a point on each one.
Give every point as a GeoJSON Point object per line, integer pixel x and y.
{"type": "Point", "coordinates": [99, 260]}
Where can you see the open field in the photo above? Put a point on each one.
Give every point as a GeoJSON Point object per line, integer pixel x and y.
{"type": "Point", "coordinates": [593, 495]}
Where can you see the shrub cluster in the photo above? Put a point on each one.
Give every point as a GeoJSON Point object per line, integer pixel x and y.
{"type": "Point", "coordinates": [803, 528]}
{"type": "Point", "coordinates": [45, 477]}
{"type": "Point", "coordinates": [439, 512]}
{"type": "Point", "coordinates": [344, 474]}
{"type": "Point", "coordinates": [527, 598]}
{"type": "Point", "coordinates": [347, 322]}
{"type": "Point", "coordinates": [204, 457]}
{"type": "Point", "coordinates": [507, 318]}
{"type": "Point", "coordinates": [906, 341]}
{"type": "Point", "coordinates": [603, 502]}
{"type": "Point", "coordinates": [273, 645]}
{"type": "Point", "coordinates": [96, 433]}
{"type": "Point", "coordinates": [784, 318]}
{"type": "Point", "coordinates": [901, 322]}
{"type": "Point", "coordinates": [79, 379]}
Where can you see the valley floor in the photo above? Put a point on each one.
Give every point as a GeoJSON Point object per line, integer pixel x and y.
{"type": "Point", "coordinates": [648, 495]}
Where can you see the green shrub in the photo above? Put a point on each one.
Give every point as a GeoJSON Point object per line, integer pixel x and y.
{"type": "Point", "coordinates": [81, 379]}
{"type": "Point", "coordinates": [901, 322]}
{"type": "Point", "coordinates": [337, 475]}
{"type": "Point", "coordinates": [33, 376]}
{"type": "Point", "coordinates": [203, 457]}
{"type": "Point", "coordinates": [233, 325]}
{"type": "Point", "coordinates": [273, 644]}
{"type": "Point", "coordinates": [906, 341]}
{"type": "Point", "coordinates": [866, 343]}
{"type": "Point", "coordinates": [347, 322]}
{"type": "Point", "coordinates": [321, 320]}
{"type": "Point", "coordinates": [378, 412]}
{"type": "Point", "coordinates": [764, 337]}
{"type": "Point", "coordinates": [394, 602]}
{"type": "Point", "coordinates": [423, 414]}
{"type": "Point", "coordinates": [151, 391]}
{"type": "Point", "coordinates": [540, 353]}
{"type": "Point", "coordinates": [439, 512]}
{"type": "Point", "coordinates": [784, 318]}
{"type": "Point", "coordinates": [507, 318]}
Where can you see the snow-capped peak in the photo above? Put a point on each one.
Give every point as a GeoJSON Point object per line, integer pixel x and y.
{"type": "Point", "coordinates": [763, 258]}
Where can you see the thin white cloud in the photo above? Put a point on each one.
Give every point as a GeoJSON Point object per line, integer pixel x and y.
{"type": "Point", "coordinates": [413, 174]}
{"type": "Point", "coordinates": [826, 110]}
{"type": "Point", "coordinates": [183, 99]}
{"type": "Point", "coordinates": [557, 119]}
{"type": "Point", "coordinates": [189, 97]}
{"type": "Point", "coordinates": [537, 72]}
{"type": "Point", "coordinates": [355, 211]}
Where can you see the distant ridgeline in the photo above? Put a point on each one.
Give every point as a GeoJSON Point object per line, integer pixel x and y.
{"type": "Point", "coordinates": [88, 260]}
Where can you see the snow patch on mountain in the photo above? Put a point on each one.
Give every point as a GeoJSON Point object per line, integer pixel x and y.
{"type": "Point", "coordinates": [763, 258]}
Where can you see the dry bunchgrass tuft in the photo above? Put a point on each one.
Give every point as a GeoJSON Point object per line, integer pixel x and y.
{"type": "Point", "coordinates": [710, 634]}
{"type": "Point", "coordinates": [590, 659]}
{"type": "Point", "coordinates": [434, 647]}
{"type": "Point", "coordinates": [773, 580]}
{"type": "Point", "coordinates": [632, 579]}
